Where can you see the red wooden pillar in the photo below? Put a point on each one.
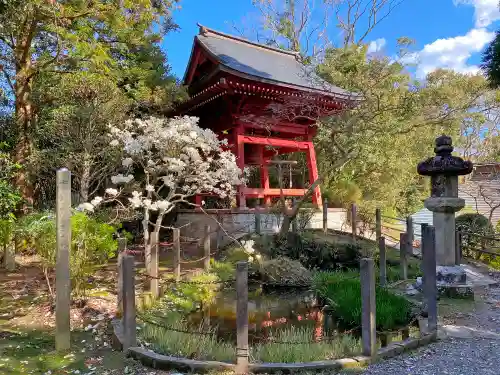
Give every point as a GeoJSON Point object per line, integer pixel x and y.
{"type": "Point", "coordinates": [198, 200]}
{"type": "Point", "coordinates": [264, 176]}
{"type": "Point", "coordinates": [313, 174]}
{"type": "Point", "coordinates": [240, 161]}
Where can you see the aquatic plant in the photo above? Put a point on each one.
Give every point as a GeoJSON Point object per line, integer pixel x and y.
{"type": "Point", "coordinates": [342, 290]}
{"type": "Point", "coordinates": [295, 344]}
{"type": "Point", "coordinates": [195, 345]}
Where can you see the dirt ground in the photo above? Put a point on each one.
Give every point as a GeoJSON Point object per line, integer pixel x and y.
{"type": "Point", "coordinates": [27, 323]}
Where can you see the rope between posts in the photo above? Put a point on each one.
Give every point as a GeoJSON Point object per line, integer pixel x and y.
{"type": "Point", "coordinates": [218, 282]}
{"type": "Point", "coordinates": [392, 218]}
{"type": "Point", "coordinates": [394, 229]}
{"type": "Point", "coordinates": [399, 330]}
{"type": "Point", "coordinates": [170, 328]}
{"type": "Point", "coordinates": [481, 236]}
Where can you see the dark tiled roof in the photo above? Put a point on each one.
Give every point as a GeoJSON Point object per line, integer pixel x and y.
{"type": "Point", "coordinates": [264, 63]}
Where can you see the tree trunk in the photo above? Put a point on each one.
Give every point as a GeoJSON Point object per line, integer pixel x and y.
{"type": "Point", "coordinates": [23, 149]}
{"type": "Point", "coordinates": [147, 242]}
{"type": "Point", "coordinates": [85, 179]}
{"type": "Point", "coordinates": [24, 120]}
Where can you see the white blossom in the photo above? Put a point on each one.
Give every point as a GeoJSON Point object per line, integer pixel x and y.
{"type": "Point", "coordinates": [127, 162]}
{"type": "Point", "coordinates": [136, 200]}
{"type": "Point", "coordinates": [163, 205]}
{"type": "Point", "coordinates": [112, 192]}
{"type": "Point", "coordinates": [180, 159]}
{"type": "Point", "coordinates": [86, 207]}
{"type": "Point", "coordinates": [96, 201]}
{"type": "Point", "coordinates": [121, 179]}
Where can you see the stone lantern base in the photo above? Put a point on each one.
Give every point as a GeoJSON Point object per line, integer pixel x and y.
{"type": "Point", "coordinates": [452, 282]}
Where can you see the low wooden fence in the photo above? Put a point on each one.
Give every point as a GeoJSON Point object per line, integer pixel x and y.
{"type": "Point", "coordinates": [127, 306]}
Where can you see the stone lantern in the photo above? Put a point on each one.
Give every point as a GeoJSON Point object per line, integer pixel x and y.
{"type": "Point", "coordinates": [444, 169]}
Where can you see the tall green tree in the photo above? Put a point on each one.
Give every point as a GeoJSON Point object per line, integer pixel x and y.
{"type": "Point", "coordinates": [491, 61]}
{"type": "Point", "coordinates": [73, 131]}
{"type": "Point", "coordinates": [393, 127]}
{"type": "Point", "coordinates": [50, 36]}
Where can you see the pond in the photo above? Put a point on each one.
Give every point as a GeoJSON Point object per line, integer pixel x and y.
{"type": "Point", "coordinates": [268, 313]}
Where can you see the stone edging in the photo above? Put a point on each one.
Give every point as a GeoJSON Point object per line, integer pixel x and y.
{"type": "Point", "coordinates": [159, 361]}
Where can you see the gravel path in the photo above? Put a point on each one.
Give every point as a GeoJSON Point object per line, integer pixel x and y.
{"type": "Point", "coordinates": [471, 356]}
{"type": "Point", "coordinates": [452, 356]}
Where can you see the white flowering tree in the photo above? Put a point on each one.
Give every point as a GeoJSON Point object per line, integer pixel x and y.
{"type": "Point", "coordinates": [176, 160]}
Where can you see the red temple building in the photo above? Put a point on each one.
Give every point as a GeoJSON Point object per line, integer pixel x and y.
{"type": "Point", "coordinates": [263, 100]}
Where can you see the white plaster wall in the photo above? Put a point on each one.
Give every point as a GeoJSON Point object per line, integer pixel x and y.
{"type": "Point", "coordinates": [239, 223]}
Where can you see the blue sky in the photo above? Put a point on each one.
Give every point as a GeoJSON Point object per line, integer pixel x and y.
{"type": "Point", "coordinates": [448, 33]}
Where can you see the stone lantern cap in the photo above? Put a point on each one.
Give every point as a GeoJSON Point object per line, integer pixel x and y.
{"type": "Point", "coordinates": [444, 163]}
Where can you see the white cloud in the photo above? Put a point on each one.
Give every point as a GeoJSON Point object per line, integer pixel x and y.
{"type": "Point", "coordinates": [485, 11]}
{"type": "Point", "coordinates": [452, 53]}
{"type": "Point", "coordinates": [376, 45]}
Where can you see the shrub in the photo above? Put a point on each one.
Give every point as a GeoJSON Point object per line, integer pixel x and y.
{"type": "Point", "coordinates": [186, 297]}
{"type": "Point", "coordinates": [224, 270]}
{"type": "Point", "coordinates": [92, 243]}
{"type": "Point", "coordinates": [304, 217]}
{"type": "Point", "coordinates": [284, 270]}
{"type": "Point", "coordinates": [316, 254]}
{"type": "Point", "coordinates": [343, 292]}
{"type": "Point", "coordinates": [474, 226]}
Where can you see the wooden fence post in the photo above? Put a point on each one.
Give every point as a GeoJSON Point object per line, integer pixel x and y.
{"type": "Point", "coordinates": [378, 223]}
{"type": "Point", "coordinates": [242, 318]}
{"type": "Point", "coordinates": [458, 247]}
{"type": "Point", "coordinates": [258, 228]}
{"type": "Point", "coordinates": [403, 254]}
{"type": "Point", "coordinates": [206, 248]}
{"type": "Point", "coordinates": [325, 215]}
{"type": "Point", "coordinates": [409, 233]}
{"type": "Point", "coordinates": [353, 220]}
{"type": "Point", "coordinates": [220, 232]}
{"type": "Point", "coordinates": [154, 284]}
{"type": "Point", "coordinates": [9, 255]}
{"type": "Point", "coordinates": [63, 282]}
{"type": "Point", "coordinates": [177, 253]}
{"type": "Point", "coordinates": [294, 221]}
{"type": "Point", "coordinates": [382, 261]}
{"type": "Point", "coordinates": [429, 279]}
{"type": "Point", "coordinates": [368, 327]}
{"type": "Point", "coordinates": [122, 247]}
{"type": "Point", "coordinates": [129, 314]}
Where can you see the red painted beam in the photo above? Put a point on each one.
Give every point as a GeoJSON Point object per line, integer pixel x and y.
{"type": "Point", "coordinates": [193, 65]}
{"type": "Point", "coordinates": [287, 129]}
{"type": "Point", "coordinates": [262, 193]}
{"type": "Point", "coordinates": [276, 142]}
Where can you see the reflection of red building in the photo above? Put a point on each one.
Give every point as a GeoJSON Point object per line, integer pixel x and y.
{"type": "Point", "coordinates": [262, 99]}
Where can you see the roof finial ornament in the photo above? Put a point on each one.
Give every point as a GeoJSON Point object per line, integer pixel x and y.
{"type": "Point", "coordinates": [203, 29]}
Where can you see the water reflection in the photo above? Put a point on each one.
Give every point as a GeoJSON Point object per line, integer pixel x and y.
{"type": "Point", "coordinates": [267, 312]}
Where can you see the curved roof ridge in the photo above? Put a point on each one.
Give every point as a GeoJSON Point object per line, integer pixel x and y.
{"type": "Point", "coordinates": [204, 30]}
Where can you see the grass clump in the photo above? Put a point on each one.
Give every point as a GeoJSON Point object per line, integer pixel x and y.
{"type": "Point", "coordinates": [195, 345]}
{"type": "Point", "coordinates": [343, 293]}
{"type": "Point", "coordinates": [296, 345]}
